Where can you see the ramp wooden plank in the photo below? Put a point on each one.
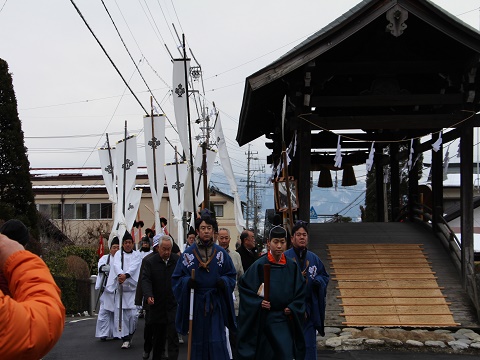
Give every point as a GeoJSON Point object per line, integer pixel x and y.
{"type": "Point", "coordinates": [367, 302]}
{"type": "Point", "coordinates": [378, 286]}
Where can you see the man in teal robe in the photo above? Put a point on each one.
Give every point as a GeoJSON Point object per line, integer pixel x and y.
{"type": "Point", "coordinates": [272, 329]}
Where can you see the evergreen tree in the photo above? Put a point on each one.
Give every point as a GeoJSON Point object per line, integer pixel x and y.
{"type": "Point", "coordinates": [371, 196]}
{"type": "Point", "coordinates": [16, 194]}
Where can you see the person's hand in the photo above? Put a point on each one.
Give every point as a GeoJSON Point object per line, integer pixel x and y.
{"type": "Point", "coordinates": [287, 311]}
{"type": "Point", "coordinates": [265, 304]}
{"type": "Point", "coordinates": [106, 268]}
{"type": "Point", "coordinates": [220, 284]}
{"type": "Point", "coordinates": [122, 278]}
{"type": "Point", "coordinates": [7, 248]}
{"type": "Point", "coordinates": [192, 284]}
{"type": "Point", "coordinates": [151, 300]}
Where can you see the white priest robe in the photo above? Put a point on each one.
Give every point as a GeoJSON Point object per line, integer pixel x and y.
{"type": "Point", "coordinates": [131, 266]}
{"type": "Point", "coordinates": [104, 327]}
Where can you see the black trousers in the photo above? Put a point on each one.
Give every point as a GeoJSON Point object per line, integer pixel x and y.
{"type": "Point", "coordinates": [147, 334]}
{"type": "Point", "coordinates": [163, 333]}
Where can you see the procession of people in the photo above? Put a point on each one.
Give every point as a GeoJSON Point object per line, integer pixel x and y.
{"type": "Point", "coordinates": [273, 309]}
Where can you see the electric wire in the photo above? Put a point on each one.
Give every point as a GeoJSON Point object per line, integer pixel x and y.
{"type": "Point", "coordinates": [108, 56]}
{"type": "Point", "coordinates": [139, 72]}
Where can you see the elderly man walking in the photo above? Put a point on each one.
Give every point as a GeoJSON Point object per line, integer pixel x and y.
{"type": "Point", "coordinates": [157, 291]}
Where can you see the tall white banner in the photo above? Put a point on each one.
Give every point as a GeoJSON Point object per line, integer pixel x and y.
{"type": "Point", "coordinates": [107, 162]}
{"type": "Point", "coordinates": [198, 179]}
{"type": "Point", "coordinates": [154, 129]}
{"type": "Point", "coordinates": [176, 175]}
{"type": "Point", "coordinates": [126, 169]}
{"type": "Point", "coordinates": [131, 209]}
{"type": "Point", "coordinates": [228, 170]}
{"type": "Point", "coordinates": [180, 98]}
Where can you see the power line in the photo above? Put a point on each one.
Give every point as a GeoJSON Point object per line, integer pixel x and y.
{"type": "Point", "coordinates": [3, 5]}
{"type": "Point", "coordinates": [108, 56]}
{"type": "Point", "coordinates": [139, 72]}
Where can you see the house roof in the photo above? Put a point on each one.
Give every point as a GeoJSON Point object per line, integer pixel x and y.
{"type": "Point", "coordinates": [264, 90]}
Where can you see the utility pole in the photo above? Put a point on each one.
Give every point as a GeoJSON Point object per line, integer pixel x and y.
{"type": "Point", "coordinates": [250, 157]}
{"type": "Point", "coordinates": [255, 209]}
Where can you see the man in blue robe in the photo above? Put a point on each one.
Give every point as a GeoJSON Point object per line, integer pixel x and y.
{"type": "Point", "coordinates": [272, 328]}
{"type": "Point", "coordinates": [214, 282]}
{"type": "Point", "coordinates": [317, 280]}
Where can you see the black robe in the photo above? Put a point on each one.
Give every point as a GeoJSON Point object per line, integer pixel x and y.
{"type": "Point", "coordinates": [270, 334]}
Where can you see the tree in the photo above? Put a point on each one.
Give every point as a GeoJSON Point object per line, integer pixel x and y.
{"type": "Point", "coordinates": [16, 194]}
{"type": "Point", "coordinates": [369, 213]}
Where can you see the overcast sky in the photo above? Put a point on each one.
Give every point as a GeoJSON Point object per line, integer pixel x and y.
{"type": "Point", "coordinates": [69, 95]}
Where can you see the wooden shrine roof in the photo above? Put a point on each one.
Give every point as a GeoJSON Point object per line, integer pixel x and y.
{"type": "Point", "coordinates": [362, 74]}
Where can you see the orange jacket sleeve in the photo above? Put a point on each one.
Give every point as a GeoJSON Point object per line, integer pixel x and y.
{"type": "Point", "coordinates": [32, 321]}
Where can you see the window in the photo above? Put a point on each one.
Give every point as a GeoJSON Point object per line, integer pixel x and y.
{"type": "Point", "coordinates": [68, 211]}
{"type": "Point", "coordinates": [76, 211]}
{"type": "Point", "coordinates": [45, 209]}
{"type": "Point", "coordinates": [100, 211]}
{"type": "Point", "coordinates": [218, 209]}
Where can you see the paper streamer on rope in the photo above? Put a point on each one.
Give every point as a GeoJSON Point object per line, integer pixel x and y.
{"type": "Point", "coordinates": [410, 156]}
{"type": "Point", "coordinates": [338, 154]}
{"type": "Point", "coordinates": [371, 157]}
{"type": "Point", "coordinates": [437, 144]}
{"type": "Point", "coordinates": [107, 162]}
{"type": "Point", "coordinates": [198, 179]}
{"type": "Point", "coordinates": [445, 163]}
{"type": "Point", "coordinates": [228, 171]}
{"type": "Point", "coordinates": [180, 98]}
{"type": "Point", "coordinates": [295, 144]}
{"type": "Point", "coordinates": [154, 129]}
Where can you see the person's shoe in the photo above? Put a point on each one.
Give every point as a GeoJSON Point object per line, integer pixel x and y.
{"type": "Point", "coordinates": [126, 345]}
{"type": "Point", "coordinates": [103, 338]}
{"type": "Point", "coordinates": [145, 355]}
{"type": "Point", "coordinates": [180, 339]}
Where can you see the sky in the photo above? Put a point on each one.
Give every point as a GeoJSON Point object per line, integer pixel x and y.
{"type": "Point", "coordinates": [69, 94]}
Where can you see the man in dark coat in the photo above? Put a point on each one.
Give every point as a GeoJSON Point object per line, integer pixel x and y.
{"type": "Point", "coordinates": [139, 301]}
{"type": "Point", "coordinates": [247, 250]}
{"type": "Point", "coordinates": [157, 291]}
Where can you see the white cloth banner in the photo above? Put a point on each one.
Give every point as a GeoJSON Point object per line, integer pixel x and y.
{"type": "Point", "coordinates": [176, 175]}
{"type": "Point", "coordinates": [198, 179]}
{"type": "Point", "coordinates": [154, 129]}
{"type": "Point", "coordinates": [131, 209]}
{"type": "Point", "coordinates": [228, 170]}
{"type": "Point", "coordinates": [107, 161]}
{"type": "Point", "coordinates": [180, 98]}
{"type": "Point", "coordinates": [126, 170]}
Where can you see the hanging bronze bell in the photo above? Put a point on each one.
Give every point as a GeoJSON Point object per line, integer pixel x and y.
{"type": "Point", "coordinates": [325, 179]}
{"type": "Point", "coordinates": [348, 178]}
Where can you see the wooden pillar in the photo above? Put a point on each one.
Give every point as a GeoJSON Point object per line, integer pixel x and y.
{"type": "Point", "coordinates": [437, 186]}
{"type": "Point", "coordinates": [394, 181]}
{"type": "Point", "coordinates": [304, 148]}
{"type": "Point", "coordinates": [466, 205]}
{"type": "Point", "coordinates": [304, 141]}
{"type": "Point", "coordinates": [380, 203]}
{"type": "Point", "coordinates": [413, 183]}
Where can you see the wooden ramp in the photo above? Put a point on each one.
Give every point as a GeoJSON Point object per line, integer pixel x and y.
{"type": "Point", "coordinates": [388, 285]}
